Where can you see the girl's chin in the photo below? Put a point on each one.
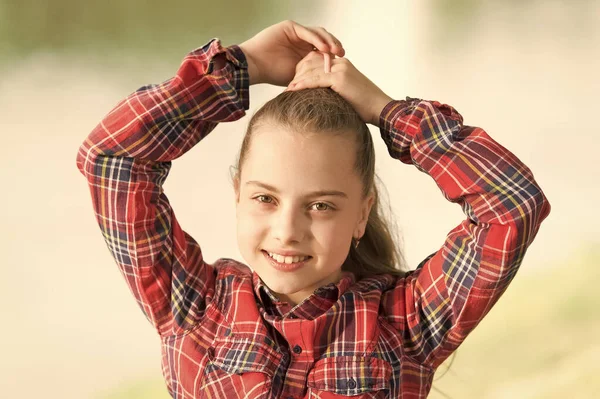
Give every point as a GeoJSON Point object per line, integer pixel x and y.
{"type": "Point", "coordinates": [284, 288]}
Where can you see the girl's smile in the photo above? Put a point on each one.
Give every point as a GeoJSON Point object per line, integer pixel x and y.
{"type": "Point", "coordinates": [286, 263]}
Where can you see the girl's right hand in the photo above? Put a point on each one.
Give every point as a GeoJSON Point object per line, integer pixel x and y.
{"type": "Point", "coordinates": [273, 53]}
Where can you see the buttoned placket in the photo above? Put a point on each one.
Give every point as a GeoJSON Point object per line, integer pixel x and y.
{"type": "Point", "coordinates": [295, 338]}
{"type": "Point", "coordinates": [298, 335]}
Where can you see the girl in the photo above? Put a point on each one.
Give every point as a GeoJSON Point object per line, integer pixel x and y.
{"type": "Point", "coordinates": [324, 311]}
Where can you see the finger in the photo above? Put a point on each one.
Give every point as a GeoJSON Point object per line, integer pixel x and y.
{"type": "Point", "coordinates": [312, 37]}
{"type": "Point", "coordinates": [311, 61]}
{"type": "Point", "coordinates": [313, 80]}
{"type": "Point", "coordinates": [334, 43]}
{"type": "Point", "coordinates": [317, 59]}
{"type": "Point", "coordinates": [315, 66]}
{"type": "Point", "coordinates": [312, 83]}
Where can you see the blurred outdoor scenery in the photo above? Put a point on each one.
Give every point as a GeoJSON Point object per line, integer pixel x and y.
{"type": "Point", "coordinates": [526, 71]}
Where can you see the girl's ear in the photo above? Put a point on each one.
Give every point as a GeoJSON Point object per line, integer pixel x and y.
{"type": "Point", "coordinates": [236, 188]}
{"type": "Point", "coordinates": [365, 211]}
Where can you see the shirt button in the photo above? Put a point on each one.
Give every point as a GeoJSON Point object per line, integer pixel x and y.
{"type": "Point", "coordinates": [297, 349]}
{"type": "Point", "coordinates": [351, 383]}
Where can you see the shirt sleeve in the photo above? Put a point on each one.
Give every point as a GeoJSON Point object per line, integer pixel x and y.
{"type": "Point", "coordinates": [126, 160]}
{"type": "Point", "coordinates": [436, 306]}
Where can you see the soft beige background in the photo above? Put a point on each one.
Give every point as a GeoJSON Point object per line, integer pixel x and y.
{"type": "Point", "coordinates": [70, 329]}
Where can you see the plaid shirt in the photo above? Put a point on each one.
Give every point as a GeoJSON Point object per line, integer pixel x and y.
{"type": "Point", "coordinates": [224, 333]}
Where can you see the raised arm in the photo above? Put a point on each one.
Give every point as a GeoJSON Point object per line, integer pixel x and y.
{"type": "Point", "coordinates": [126, 160]}
{"type": "Point", "coordinates": [437, 305]}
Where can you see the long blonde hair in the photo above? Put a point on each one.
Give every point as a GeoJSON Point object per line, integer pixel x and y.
{"type": "Point", "coordinates": [324, 111]}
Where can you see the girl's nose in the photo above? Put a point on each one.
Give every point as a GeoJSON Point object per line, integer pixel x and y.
{"type": "Point", "coordinates": [288, 226]}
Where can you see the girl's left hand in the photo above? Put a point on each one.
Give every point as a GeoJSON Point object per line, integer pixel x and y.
{"type": "Point", "coordinates": [365, 97]}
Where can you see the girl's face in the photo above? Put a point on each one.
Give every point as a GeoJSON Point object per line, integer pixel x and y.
{"type": "Point", "coordinates": [299, 195]}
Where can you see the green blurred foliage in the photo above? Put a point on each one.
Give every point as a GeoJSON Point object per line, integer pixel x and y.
{"type": "Point", "coordinates": [540, 341]}
{"type": "Point", "coordinates": [173, 28]}
{"type": "Point", "coordinates": [143, 389]}
{"type": "Point", "coordinates": [58, 26]}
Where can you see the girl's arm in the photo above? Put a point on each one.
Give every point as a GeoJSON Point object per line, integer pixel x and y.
{"type": "Point", "coordinates": [437, 305]}
{"type": "Point", "coordinates": [126, 160]}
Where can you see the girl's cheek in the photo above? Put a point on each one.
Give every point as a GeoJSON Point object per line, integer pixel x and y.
{"type": "Point", "coordinates": [250, 227]}
{"type": "Point", "coordinates": [252, 208]}
{"type": "Point", "coordinates": [249, 239]}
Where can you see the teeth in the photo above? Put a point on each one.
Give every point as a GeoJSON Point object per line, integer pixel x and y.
{"type": "Point", "coordinates": [287, 259]}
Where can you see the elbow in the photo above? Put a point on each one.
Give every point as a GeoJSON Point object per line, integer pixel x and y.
{"type": "Point", "coordinates": [542, 210]}
{"type": "Point", "coordinates": [80, 160]}
{"type": "Point", "coordinates": [89, 150]}
{"type": "Point", "coordinates": [539, 205]}
{"type": "Point", "coordinates": [83, 159]}
{"type": "Point", "coordinates": [543, 205]}
{"type": "Point", "coordinates": [533, 211]}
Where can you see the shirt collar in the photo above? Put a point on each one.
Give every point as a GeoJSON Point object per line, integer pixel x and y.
{"type": "Point", "coordinates": [331, 291]}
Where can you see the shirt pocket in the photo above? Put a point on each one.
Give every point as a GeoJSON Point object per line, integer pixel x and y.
{"type": "Point", "coordinates": [240, 364]}
{"type": "Point", "coordinates": [354, 376]}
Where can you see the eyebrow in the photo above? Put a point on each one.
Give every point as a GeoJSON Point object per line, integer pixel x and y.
{"type": "Point", "coordinates": [318, 193]}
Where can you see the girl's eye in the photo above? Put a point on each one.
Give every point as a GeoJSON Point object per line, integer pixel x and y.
{"type": "Point", "coordinates": [265, 199]}
{"type": "Point", "coordinates": [321, 207]}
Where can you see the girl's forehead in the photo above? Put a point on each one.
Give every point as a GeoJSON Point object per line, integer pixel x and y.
{"type": "Point", "coordinates": [280, 157]}
{"type": "Point", "coordinates": [275, 133]}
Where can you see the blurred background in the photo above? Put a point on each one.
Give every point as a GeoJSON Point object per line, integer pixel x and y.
{"type": "Point", "coordinates": [526, 71]}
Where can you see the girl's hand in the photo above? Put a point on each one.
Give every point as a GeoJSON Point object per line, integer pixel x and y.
{"type": "Point", "coordinates": [365, 97]}
{"type": "Point", "coordinates": [274, 52]}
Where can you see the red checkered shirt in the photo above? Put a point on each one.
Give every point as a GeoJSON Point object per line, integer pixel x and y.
{"type": "Point", "coordinates": [224, 333]}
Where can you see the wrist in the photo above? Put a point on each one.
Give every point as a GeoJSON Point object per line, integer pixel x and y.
{"type": "Point", "coordinates": [378, 106]}
{"type": "Point", "coordinates": [253, 73]}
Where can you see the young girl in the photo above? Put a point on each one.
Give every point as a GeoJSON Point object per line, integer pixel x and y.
{"type": "Point", "coordinates": [323, 311]}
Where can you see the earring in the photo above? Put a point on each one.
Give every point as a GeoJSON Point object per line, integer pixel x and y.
{"type": "Point", "coordinates": [356, 242]}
